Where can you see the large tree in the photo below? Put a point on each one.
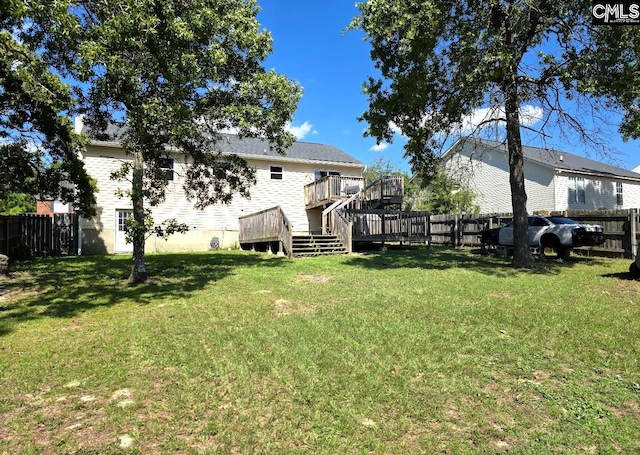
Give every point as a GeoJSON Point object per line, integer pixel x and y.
{"type": "Point", "coordinates": [38, 147]}
{"type": "Point", "coordinates": [442, 60]}
{"type": "Point", "coordinates": [171, 74]}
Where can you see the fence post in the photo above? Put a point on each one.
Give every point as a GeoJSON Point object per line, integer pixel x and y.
{"type": "Point", "coordinates": [633, 232]}
{"type": "Point", "coordinates": [6, 231]}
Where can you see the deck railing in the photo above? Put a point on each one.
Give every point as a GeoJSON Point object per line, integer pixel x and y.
{"type": "Point", "coordinates": [332, 188]}
{"type": "Point", "coordinates": [270, 225]}
{"type": "Point", "coordinates": [389, 225]}
{"type": "Point", "coordinates": [389, 189]}
{"type": "Point", "coordinates": [342, 227]}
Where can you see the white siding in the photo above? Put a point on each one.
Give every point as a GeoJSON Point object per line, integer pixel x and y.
{"type": "Point", "coordinates": [487, 173]}
{"type": "Point", "coordinates": [631, 191]}
{"type": "Point", "coordinates": [600, 193]}
{"type": "Point", "coordinates": [220, 219]}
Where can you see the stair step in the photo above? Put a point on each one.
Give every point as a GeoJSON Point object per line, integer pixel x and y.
{"type": "Point", "coordinates": [317, 245]}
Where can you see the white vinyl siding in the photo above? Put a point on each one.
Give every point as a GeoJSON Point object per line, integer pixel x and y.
{"type": "Point", "coordinates": [287, 193]}
{"type": "Point", "coordinates": [488, 175]}
{"type": "Point", "coordinates": [548, 189]}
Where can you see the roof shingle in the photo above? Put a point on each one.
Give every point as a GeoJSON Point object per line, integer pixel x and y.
{"type": "Point", "coordinates": [565, 161]}
{"type": "Point", "coordinates": [255, 147]}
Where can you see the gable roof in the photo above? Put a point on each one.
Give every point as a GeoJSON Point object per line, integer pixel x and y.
{"type": "Point", "coordinates": [560, 161]}
{"type": "Point", "coordinates": [256, 148]}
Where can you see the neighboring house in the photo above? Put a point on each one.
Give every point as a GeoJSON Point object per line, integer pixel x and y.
{"type": "Point", "coordinates": [280, 181]}
{"type": "Point", "coordinates": [554, 180]}
{"type": "Point", "coordinates": [49, 207]}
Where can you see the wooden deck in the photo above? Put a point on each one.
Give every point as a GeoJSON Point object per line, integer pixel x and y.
{"type": "Point", "coordinates": [354, 192]}
{"type": "Point", "coordinates": [353, 213]}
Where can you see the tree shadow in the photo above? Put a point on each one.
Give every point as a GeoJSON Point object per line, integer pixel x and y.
{"type": "Point", "coordinates": [443, 258]}
{"type": "Point", "coordinates": [623, 276]}
{"type": "Point", "coordinates": [66, 287]}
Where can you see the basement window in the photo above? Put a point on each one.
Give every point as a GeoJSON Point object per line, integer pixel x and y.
{"type": "Point", "coordinates": [276, 172]}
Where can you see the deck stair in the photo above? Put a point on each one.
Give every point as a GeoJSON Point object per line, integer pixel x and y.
{"type": "Point", "coordinates": [317, 245]}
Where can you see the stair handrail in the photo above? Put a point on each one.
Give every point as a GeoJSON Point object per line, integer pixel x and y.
{"type": "Point", "coordinates": [331, 215]}
{"type": "Point", "coordinates": [342, 227]}
{"type": "Point", "coordinates": [269, 224]}
{"type": "Point", "coordinates": [286, 234]}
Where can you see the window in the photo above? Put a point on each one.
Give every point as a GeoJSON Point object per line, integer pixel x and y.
{"type": "Point", "coordinates": [576, 190]}
{"type": "Point", "coordinates": [123, 216]}
{"type": "Point", "coordinates": [166, 166]}
{"type": "Point", "coordinates": [319, 174]}
{"type": "Point", "coordinates": [538, 222]}
{"type": "Point", "coordinates": [619, 199]}
{"type": "Point", "coordinates": [276, 172]}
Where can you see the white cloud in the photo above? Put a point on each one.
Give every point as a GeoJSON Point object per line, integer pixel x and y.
{"type": "Point", "coordinates": [300, 131]}
{"type": "Point", "coordinates": [529, 115]}
{"type": "Point", "coordinates": [379, 147]}
{"type": "Point", "coordinates": [395, 128]}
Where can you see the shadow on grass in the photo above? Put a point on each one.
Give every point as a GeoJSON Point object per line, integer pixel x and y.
{"type": "Point", "coordinates": [66, 287]}
{"type": "Point", "coordinates": [443, 258]}
{"type": "Point", "coordinates": [624, 276]}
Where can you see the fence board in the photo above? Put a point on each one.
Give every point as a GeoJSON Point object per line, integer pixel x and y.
{"type": "Point", "coordinates": [38, 235]}
{"type": "Point", "coordinates": [621, 229]}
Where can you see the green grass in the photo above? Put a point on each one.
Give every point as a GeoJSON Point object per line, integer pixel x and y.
{"type": "Point", "coordinates": [400, 352]}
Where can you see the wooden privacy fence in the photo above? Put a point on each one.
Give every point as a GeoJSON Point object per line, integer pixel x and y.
{"type": "Point", "coordinates": [30, 235]}
{"type": "Point", "coordinates": [621, 229]}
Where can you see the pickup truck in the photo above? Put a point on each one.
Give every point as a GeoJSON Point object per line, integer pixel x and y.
{"type": "Point", "coordinates": [555, 232]}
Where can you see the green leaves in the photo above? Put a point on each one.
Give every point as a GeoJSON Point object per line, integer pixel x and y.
{"type": "Point", "coordinates": [38, 147]}
{"type": "Point", "coordinates": [441, 61]}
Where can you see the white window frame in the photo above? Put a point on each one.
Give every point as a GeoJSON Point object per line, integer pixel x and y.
{"type": "Point", "coordinates": [577, 193]}
{"type": "Point", "coordinates": [619, 194]}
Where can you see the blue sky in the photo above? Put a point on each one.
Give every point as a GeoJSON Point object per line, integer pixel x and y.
{"type": "Point", "coordinates": [311, 47]}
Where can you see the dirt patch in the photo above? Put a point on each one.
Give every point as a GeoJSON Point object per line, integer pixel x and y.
{"type": "Point", "coordinates": [284, 307]}
{"type": "Point", "coordinates": [56, 424]}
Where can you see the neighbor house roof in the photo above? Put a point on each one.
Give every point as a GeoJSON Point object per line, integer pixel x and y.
{"type": "Point", "coordinates": [562, 161]}
{"type": "Point", "coordinates": [255, 148]}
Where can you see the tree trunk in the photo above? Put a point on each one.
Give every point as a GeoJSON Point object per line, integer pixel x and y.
{"type": "Point", "coordinates": [139, 273]}
{"type": "Point", "coordinates": [521, 249]}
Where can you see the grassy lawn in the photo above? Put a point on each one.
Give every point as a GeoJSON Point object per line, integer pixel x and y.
{"type": "Point", "coordinates": [387, 353]}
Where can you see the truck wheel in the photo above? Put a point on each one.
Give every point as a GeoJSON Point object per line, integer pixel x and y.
{"type": "Point", "coordinates": [634, 270]}
{"type": "Point", "coordinates": [563, 252]}
{"type": "Point", "coordinates": [552, 242]}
